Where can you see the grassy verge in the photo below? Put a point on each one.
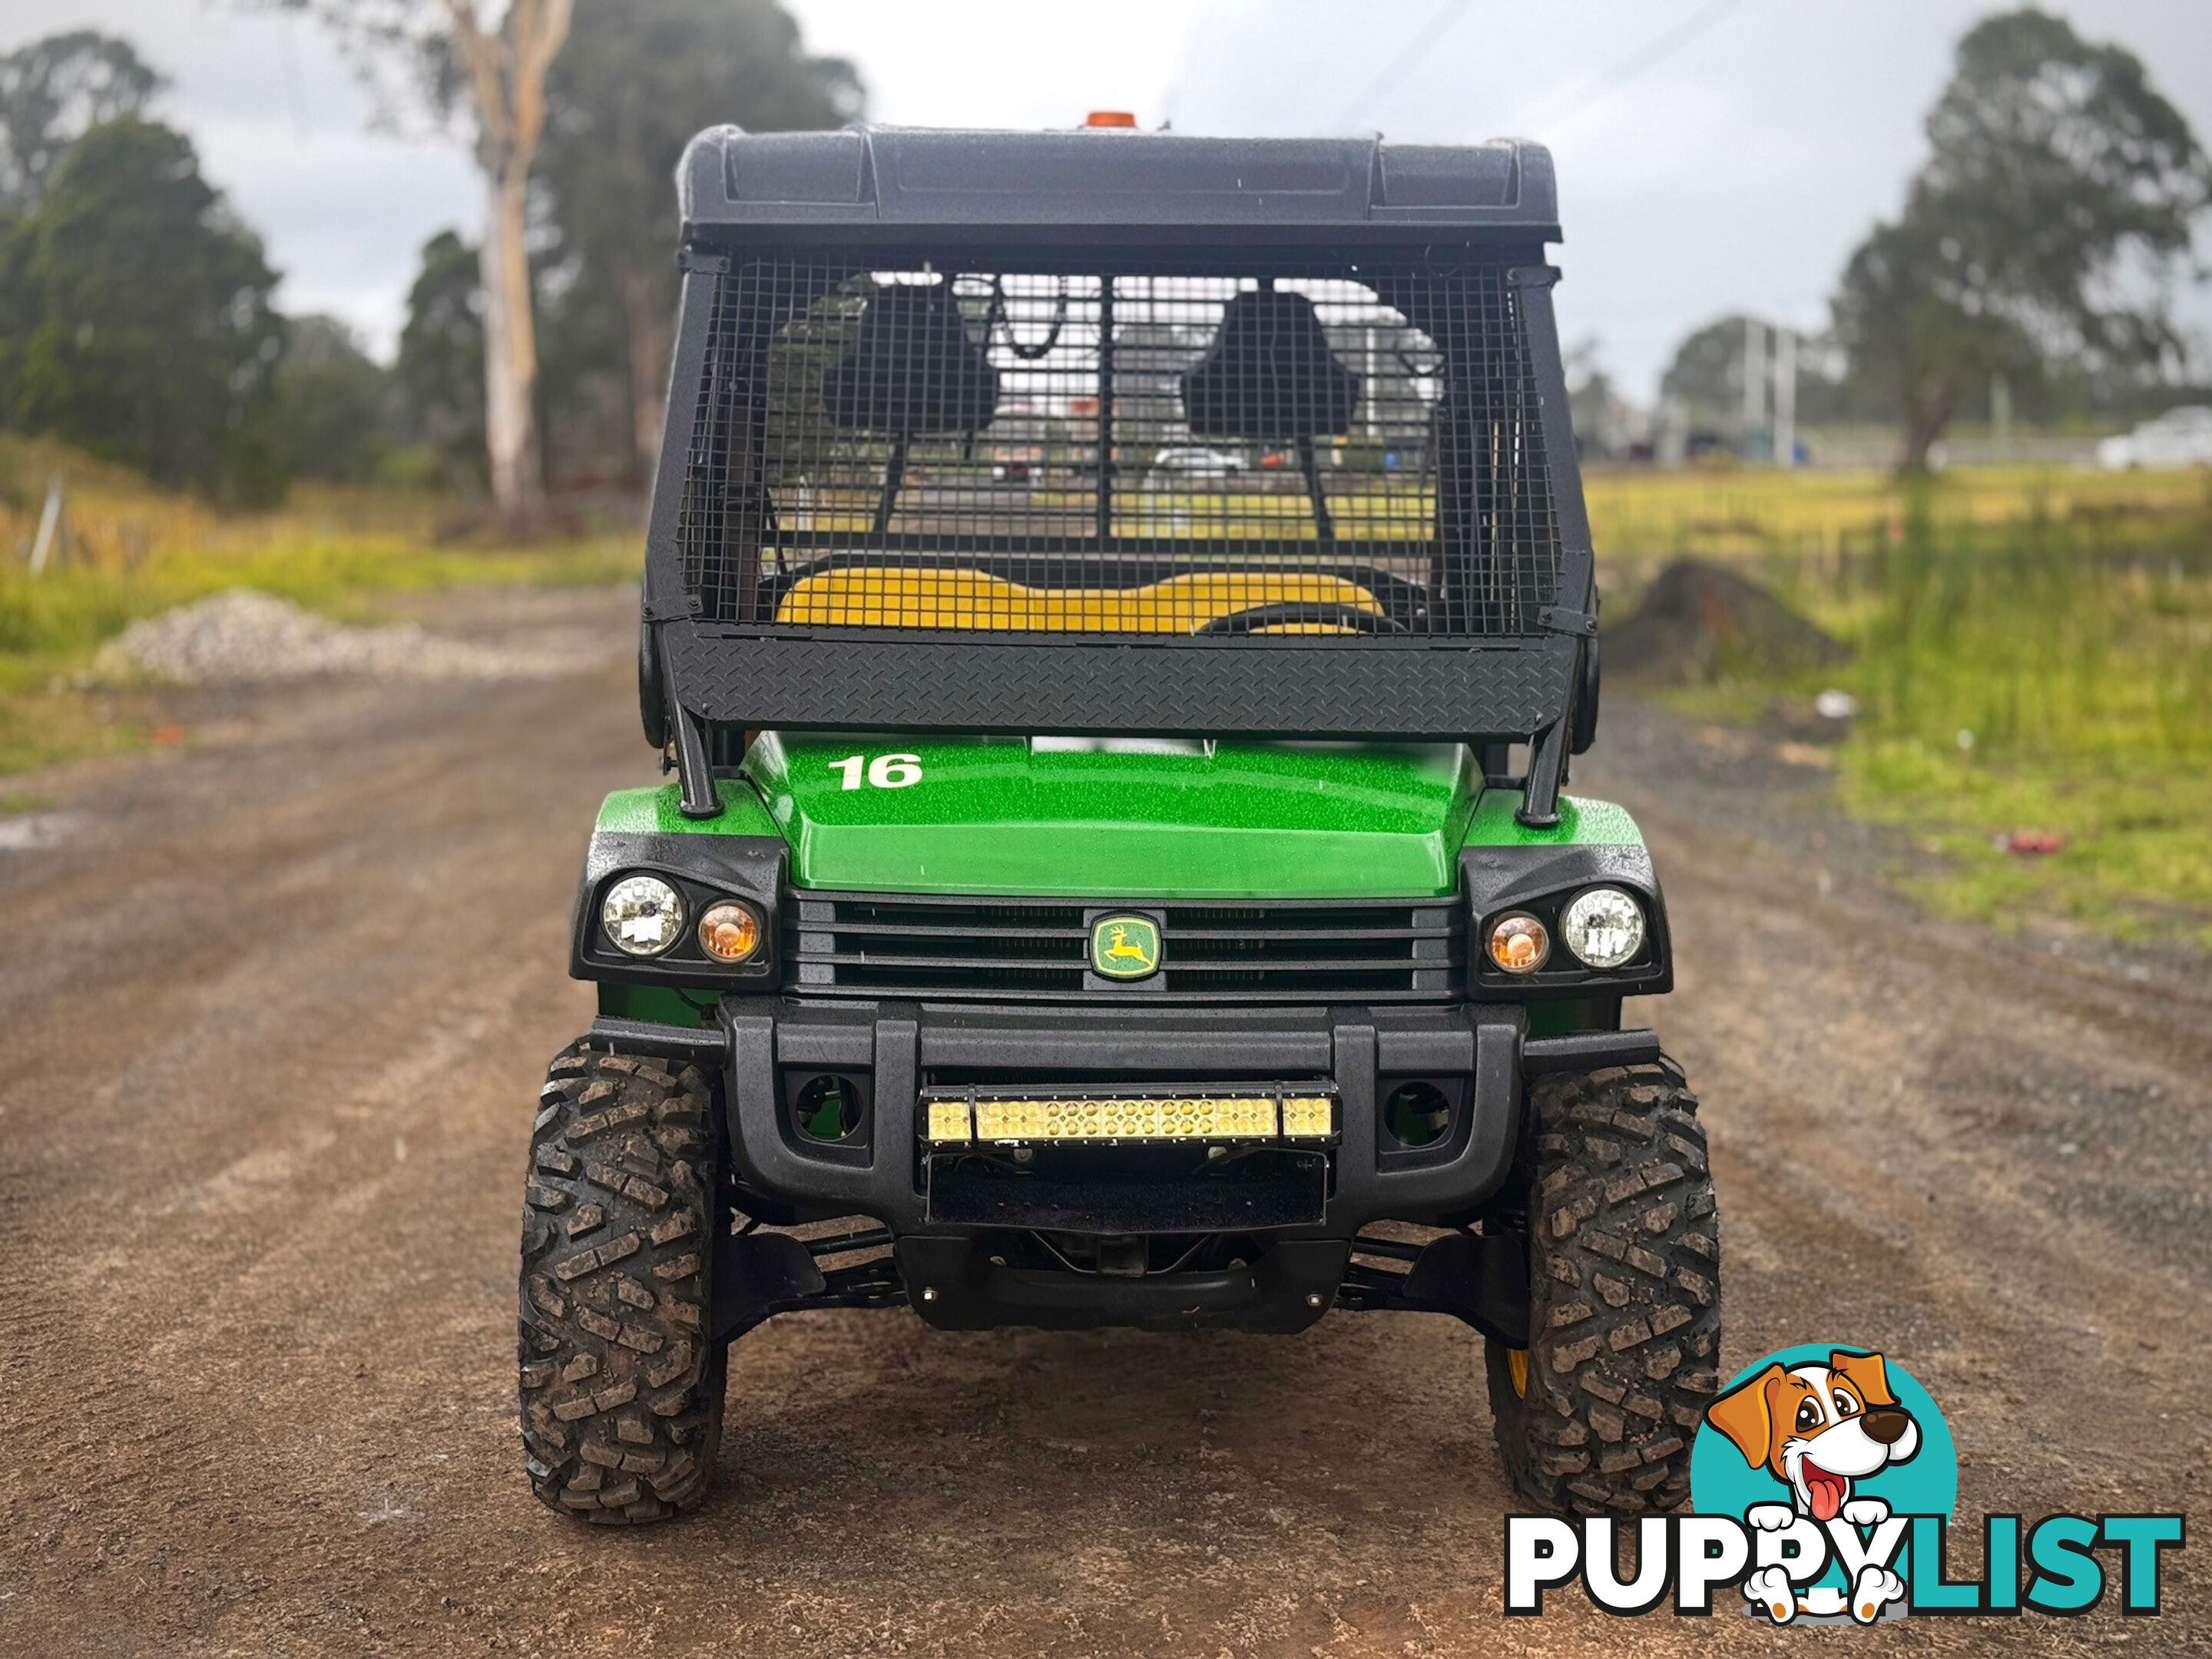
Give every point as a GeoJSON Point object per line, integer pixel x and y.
{"type": "Point", "coordinates": [2050, 679]}
{"type": "Point", "coordinates": [1642, 517]}
{"type": "Point", "coordinates": [133, 551]}
{"type": "Point", "coordinates": [2033, 667]}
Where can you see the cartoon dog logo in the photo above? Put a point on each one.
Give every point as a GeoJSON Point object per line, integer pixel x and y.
{"type": "Point", "coordinates": [1817, 1429]}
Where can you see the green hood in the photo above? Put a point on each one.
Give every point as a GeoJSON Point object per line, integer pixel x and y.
{"type": "Point", "coordinates": [1144, 817]}
{"type": "Point", "coordinates": [1124, 819]}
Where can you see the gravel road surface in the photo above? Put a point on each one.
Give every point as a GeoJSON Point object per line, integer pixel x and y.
{"type": "Point", "coordinates": [274, 1006]}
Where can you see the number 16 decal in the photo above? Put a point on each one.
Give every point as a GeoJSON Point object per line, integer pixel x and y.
{"type": "Point", "coordinates": [885, 772]}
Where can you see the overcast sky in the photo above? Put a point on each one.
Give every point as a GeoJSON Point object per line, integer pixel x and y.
{"type": "Point", "coordinates": [1713, 156]}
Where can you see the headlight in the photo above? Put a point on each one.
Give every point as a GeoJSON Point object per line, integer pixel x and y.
{"type": "Point", "coordinates": [730, 932]}
{"type": "Point", "coordinates": [1604, 927]}
{"type": "Point", "coordinates": [1519, 944]}
{"type": "Point", "coordinates": [643, 916]}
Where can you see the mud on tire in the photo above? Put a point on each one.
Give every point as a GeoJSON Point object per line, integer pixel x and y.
{"type": "Point", "coordinates": [622, 1392]}
{"type": "Point", "coordinates": [1625, 1294]}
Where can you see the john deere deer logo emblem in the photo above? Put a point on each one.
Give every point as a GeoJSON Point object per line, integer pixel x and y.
{"type": "Point", "coordinates": [1125, 947]}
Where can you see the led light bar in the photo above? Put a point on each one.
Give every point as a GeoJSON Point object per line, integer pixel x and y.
{"type": "Point", "coordinates": [1074, 1118]}
{"type": "Point", "coordinates": [949, 1120]}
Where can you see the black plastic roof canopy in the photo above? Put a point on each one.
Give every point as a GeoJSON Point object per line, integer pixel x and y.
{"type": "Point", "coordinates": [1219, 188]}
{"type": "Point", "coordinates": [1109, 432]}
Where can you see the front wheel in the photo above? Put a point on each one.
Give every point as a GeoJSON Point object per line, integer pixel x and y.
{"type": "Point", "coordinates": [622, 1389]}
{"type": "Point", "coordinates": [1610, 1184]}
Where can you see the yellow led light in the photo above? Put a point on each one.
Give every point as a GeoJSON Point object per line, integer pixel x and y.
{"type": "Point", "coordinates": [1073, 1119]}
{"type": "Point", "coordinates": [1309, 1114]}
{"type": "Point", "coordinates": [1193, 1118]}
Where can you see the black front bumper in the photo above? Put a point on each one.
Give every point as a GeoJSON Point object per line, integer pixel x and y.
{"type": "Point", "coordinates": [767, 1047]}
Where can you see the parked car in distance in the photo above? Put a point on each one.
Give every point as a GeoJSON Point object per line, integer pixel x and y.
{"type": "Point", "coordinates": [1189, 461]}
{"type": "Point", "coordinates": [2180, 437]}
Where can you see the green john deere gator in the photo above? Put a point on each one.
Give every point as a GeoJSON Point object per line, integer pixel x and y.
{"type": "Point", "coordinates": [1118, 610]}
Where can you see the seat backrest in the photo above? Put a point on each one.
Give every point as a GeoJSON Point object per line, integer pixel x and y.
{"type": "Point", "coordinates": [1269, 374]}
{"type": "Point", "coordinates": [911, 368]}
{"type": "Point", "coordinates": [880, 596]}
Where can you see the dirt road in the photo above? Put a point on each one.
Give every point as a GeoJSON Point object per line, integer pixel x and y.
{"type": "Point", "coordinates": [273, 1008]}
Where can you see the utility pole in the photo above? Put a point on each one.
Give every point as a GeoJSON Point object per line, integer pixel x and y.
{"type": "Point", "coordinates": [1785, 397]}
{"type": "Point", "coordinates": [1754, 385]}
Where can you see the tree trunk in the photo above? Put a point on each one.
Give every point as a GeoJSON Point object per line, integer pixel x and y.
{"type": "Point", "coordinates": [518, 480]}
{"type": "Point", "coordinates": [506, 82]}
{"type": "Point", "coordinates": [1927, 398]}
{"type": "Point", "coordinates": [645, 319]}
{"type": "Point", "coordinates": [1921, 432]}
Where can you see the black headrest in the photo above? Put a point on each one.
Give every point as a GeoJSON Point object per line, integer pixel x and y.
{"type": "Point", "coordinates": [912, 367]}
{"type": "Point", "coordinates": [1269, 373]}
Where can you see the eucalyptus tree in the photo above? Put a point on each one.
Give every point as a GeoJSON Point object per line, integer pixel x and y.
{"type": "Point", "coordinates": [54, 91]}
{"type": "Point", "coordinates": [2056, 206]}
{"type": "Point", "coordinates": [637, 80]}
{"type": "Point", "coordinates": [487, 67]}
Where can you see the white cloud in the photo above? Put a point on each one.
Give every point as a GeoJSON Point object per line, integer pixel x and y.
{"type": "Point", "coordinates": [1003, 62]}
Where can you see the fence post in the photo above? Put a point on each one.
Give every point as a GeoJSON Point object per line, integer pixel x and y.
{"type": "Point", "coordinates": [49, 523]}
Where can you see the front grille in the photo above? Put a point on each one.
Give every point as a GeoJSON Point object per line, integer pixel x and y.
{"type": "Point", "coordinates": [1020, 950]}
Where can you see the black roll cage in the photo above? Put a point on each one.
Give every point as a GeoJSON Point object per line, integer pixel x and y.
{"type": "Point", "coordinates": [702, 674]}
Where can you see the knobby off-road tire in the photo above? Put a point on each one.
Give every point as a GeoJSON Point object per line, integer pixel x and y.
{"type": "Point", "coordinates": [1624, 1295]}
{"type": "Point", "coordinates": [622, 1392]}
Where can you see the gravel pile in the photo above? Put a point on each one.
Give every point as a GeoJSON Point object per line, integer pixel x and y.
{"type": "Point", "coordinates": [243, 636]}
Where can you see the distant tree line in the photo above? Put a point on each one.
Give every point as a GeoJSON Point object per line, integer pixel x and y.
{"type": "Point", "coordinates": [2031, 265]}
{"type": "Point", "coordinates": [135, 312]}
{"type": "Point", "coordinates": [137, 316]}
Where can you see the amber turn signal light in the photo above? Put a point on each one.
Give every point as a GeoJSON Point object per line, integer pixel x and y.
{"type": "Point", "coordinates": [1519, 945]}
{"type": "Point", "coordinates": [730, 932]}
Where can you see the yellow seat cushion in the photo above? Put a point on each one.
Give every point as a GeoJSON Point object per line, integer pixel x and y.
{"type": "Point", "coordinates": [876, 596]}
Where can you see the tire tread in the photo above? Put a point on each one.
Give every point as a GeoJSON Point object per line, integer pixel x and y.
{"type": "Point", "coordinates": [1625, 1294]}
{"type": "Point", "coordinates": [621, 1392]}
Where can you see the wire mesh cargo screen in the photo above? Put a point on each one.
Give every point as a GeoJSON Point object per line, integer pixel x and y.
{"type": "Point", "coordinates": [1109, 452]}
{"type": "Point", "coordinates": [980, 472]}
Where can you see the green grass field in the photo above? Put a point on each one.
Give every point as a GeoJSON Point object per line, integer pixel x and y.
{"type": "Point", "coordinates": [2032, 654]}
{"type": "Point", "coordinates": [134, 551]}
